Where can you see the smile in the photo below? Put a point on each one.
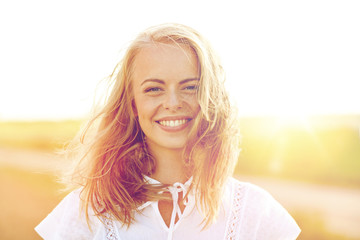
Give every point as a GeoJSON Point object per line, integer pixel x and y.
{"type": "Point", "coordinates": [173, 123]}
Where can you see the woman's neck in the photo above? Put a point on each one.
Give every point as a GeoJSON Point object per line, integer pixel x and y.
{"type": "Point", "coordinates": [170, 166]}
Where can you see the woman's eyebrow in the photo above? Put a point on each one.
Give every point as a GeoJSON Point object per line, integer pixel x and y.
{"type": "Point", "coordinates": [152, 80]}
{"type": "Point", "coordinates": [189, 79]}
{"type": "Point", "coordinates": [163, 82]}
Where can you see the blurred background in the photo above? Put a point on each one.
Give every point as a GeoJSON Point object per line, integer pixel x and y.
{"type": "Point", "coordinates": [292, 70]}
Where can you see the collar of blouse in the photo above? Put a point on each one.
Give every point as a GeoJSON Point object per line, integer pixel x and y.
{"type": "Point", "coordinates": [174, 190]}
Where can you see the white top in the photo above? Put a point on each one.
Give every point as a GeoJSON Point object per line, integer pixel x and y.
{"type": "Point", "coordinates": [247, 212]}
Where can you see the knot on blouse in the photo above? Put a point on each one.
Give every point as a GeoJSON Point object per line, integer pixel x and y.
{"type": "Point", "coordinates": [175, 190]}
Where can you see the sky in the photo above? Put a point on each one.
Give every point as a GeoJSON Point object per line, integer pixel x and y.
{"type": "Point", "coordinates": [286, 57]}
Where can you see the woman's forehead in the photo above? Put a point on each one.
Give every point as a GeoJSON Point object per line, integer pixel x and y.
{"type": "Point", "coordinates": [165, 60]}
{"type": "Point", "coordinates": [168, 51]}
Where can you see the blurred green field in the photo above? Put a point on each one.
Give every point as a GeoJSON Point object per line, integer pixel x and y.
{"type": "Point", "coordinates": [323, 150]}
{"type": "Point", "coordinates": [41, 135]}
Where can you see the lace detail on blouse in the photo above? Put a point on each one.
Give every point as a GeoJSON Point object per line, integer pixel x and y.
{"type": "Point", "coordinates": [109, 228]}
{"type": "Point", "coordinates": [233, 225]}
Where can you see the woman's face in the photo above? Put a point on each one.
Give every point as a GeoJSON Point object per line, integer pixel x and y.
{"type": "Point", "coordinates": [165, 81]}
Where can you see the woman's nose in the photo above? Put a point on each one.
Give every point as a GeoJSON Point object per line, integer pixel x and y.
{"type": "Point", "coordinates": [172, 100]}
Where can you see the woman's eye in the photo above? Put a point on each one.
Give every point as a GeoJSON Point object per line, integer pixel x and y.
{"type": "Point", "coordinates": [191, 87]}
{"type": "Point", "coordinates": [153, 89]}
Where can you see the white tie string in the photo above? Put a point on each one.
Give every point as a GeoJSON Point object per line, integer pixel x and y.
{"type": "Point", "coordinates": [175, 190]}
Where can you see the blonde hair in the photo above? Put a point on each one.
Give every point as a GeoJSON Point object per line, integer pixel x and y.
{"type": "Point", "coordinates": [114, 159]}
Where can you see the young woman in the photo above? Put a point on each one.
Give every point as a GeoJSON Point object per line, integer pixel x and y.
{"type": "Point", "coordinates": [157, 159]}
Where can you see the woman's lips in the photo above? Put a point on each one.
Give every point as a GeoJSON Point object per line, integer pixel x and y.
{"type": "Point", "coordinates": [174, 124]}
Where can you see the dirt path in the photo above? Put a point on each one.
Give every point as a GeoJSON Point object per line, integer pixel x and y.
{"type": "Point", "coordinates": [32, 160]}
{"type": "Point", "coordinates": [340, 207]}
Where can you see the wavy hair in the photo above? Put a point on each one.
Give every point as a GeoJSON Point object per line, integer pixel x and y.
{"type": "Point", "coordinates": [112, 154]}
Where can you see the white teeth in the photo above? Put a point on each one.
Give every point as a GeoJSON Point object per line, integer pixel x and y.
{"type": "Point", "coordinates": [173, 123]}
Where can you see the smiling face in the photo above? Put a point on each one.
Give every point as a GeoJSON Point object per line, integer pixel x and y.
{"type": "Point", "coordinates": [165, 81]}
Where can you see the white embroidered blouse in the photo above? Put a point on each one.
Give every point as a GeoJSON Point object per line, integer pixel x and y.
{"type": "Point", "coordinates": [247, 212]}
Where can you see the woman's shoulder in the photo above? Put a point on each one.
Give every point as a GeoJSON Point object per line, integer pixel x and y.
{"type": "Point", "coordinates": [68, 221]}
{"type": "Point", "coordinates": [255, 208]}
{"type": "Point", "coordinates": [249, 192]}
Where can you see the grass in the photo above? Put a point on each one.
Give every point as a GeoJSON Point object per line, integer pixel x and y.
{"type": "Point", "coordinates": [42, 135]}
{"type": "Point", "coordinates": [313, 227]}
{"type": "Point", "coordinates": [325, 152]}
{"type": "Point", "coordinates": [26, 198]}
